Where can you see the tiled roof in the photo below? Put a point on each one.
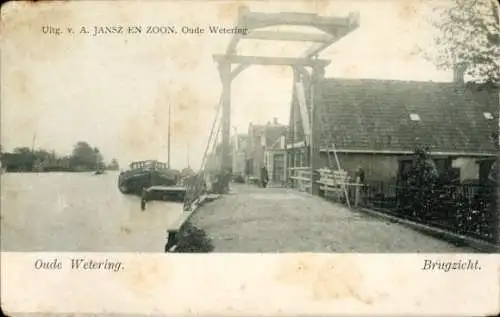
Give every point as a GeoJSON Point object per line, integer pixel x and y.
{"type": "Point", "coordinates": [374, 115]}
{"type": "Point", "coordinates": [256, 130]}
{"type": "Point", "coordinates": [272, 132]}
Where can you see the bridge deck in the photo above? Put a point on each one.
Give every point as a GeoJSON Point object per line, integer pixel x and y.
{"type": "Point", "coordinates": [285, 220]}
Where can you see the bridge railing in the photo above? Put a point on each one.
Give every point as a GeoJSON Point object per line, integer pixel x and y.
{"type": "Point", "coordinates": [339, 186]}
{"type": "Point", "coordinates": [301, 178]}
{"type": "Point", "coordinates": [334, 184]}
{"type": "Point", "coordinates": [195, 187]}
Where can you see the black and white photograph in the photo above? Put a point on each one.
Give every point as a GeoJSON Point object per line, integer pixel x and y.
{"type": "Point", "coordinates": [250, 127]}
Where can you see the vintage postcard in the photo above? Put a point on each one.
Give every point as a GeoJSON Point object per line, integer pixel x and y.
{"type": "Point", "coordinates": [250, 158]}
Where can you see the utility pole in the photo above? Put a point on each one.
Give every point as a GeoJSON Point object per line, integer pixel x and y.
{"type": "Point", "coordinates": [169, 131]}
{"type": "Point", "coordinates": [33, 143]}
{"type": "Point", "coordinates": [33, 152]}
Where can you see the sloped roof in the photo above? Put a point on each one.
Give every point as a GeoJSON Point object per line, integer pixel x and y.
{"type": "Point", "coordinates": [374, 115]}
{"type": "Point", "coordinates": [272, 132]}
{"type": "Point", "coordinates": [256, 129]}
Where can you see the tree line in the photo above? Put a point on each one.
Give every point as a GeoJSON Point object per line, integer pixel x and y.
{"type": "Point", "coordinates": [83, 158]}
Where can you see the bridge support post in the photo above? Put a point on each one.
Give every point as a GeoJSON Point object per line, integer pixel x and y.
{"type": "Point", "coordinates": [226, 164]}
{"type": "Point", "coordinates": [318, 75]}
{"type": "Point", "coordinates": [292, 132]}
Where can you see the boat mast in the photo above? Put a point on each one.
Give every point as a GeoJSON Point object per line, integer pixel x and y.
{"type": "Point", "coordinates": [33, 151]}
{"type": "Point", "coordinates": [33, 144]}
{"type": "Point", "coordinates": [168, 140]}
{"type": "Point", "coordinates": [187, 146]}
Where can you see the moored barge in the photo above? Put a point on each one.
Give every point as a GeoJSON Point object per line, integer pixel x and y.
{"type": "Point", "coordinates": [145, 174]}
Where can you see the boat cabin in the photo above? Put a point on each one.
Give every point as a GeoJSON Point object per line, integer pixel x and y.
{"type": "Point", "coordinates": [148, 164]}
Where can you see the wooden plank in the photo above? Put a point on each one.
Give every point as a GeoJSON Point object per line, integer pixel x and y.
{"type": "Point", "coordinates": [301, 178]}
{"type": "Point", "coordinates": [324, 183]}
{"type": "Point", "coordinates": [266, 60]}
{"type": "Point", "coordinates": [242, 12]}
{"type": "Point", "coordinates": [338, 33]}
{"type": "Point", "coordinates": [289, 36]}
{"type": "Point", "coordinates": [330, 189]}
{"type": "Point", "coordinates": [176, 225]}
{"type": "Point", "coordinates": [304, 112]}
{"type": "Point", "coordinates": [231, 48]}
{"type": "Point", "coordinates": [339, 173]}
{"type": "Point", "coordinates": [324, 170]}
{"type": "Point", "coordinates": [225, 120]}
{"type": "Point", "coordinates": [238, 70]}
{"type": "Point", "coordinates": [167, 189]}
{"type": "Point", "coordinates": [257, 19]}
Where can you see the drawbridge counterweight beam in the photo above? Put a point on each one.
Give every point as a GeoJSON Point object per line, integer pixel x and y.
{"type": "Point", "coordinates": [333, 27]}
{"type": "Point", "coordinates": [266, 60]}
{"type": "Point", "coordinates": [289, 36]}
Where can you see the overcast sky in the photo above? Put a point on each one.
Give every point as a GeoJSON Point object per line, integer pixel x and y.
{"type": "Point", "coordinates": [113, 91]}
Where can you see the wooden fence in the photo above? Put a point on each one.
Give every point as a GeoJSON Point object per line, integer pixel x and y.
{"type": "Point", "coordinates": [301, 178]}
{"type": "Point", "coordinates": [334, 184]}
{"type": "Point", "coordinates": [338, 185]}
{"type": "Point", "coordinates": [462, 208]}
{"type": "Point", "coordinates": [466, 209]}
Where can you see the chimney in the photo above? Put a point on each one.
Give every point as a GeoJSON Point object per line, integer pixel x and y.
{"type": "Point", "coordinates": [275, 120]}
{"type": "Point", "coordinates": [458, 74]}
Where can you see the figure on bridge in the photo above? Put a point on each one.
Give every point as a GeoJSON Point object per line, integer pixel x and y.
{"type": "Point", "coordinates": [143, 199]}
{"type": "Point", "coordinates": [264, 177]}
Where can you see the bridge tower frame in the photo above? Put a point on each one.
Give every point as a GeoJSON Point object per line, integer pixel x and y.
{"type": "Point", "coordinates": [307, 66]}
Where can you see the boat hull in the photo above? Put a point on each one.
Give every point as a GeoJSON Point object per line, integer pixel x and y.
{"type": "Point", "coordinates": [132, 182]}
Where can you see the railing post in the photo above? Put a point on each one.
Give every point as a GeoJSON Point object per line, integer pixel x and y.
{"type": "Point", "coordinates": [171, 240]}
{"type": "Point", "coordinates": [357, 192]}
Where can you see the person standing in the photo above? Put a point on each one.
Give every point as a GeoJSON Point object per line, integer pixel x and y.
{"type": "Point", "coordinates": [264, 177]}
{"type": "Point", "coordinates": [143, 198]}
{"type": "Point", "coordinates": [360, 173]}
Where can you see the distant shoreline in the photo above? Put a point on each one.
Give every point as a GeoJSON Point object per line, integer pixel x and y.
{"type": "Point", "coordinates": [55, 171]}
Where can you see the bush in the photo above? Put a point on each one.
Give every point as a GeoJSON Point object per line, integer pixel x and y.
{"type": "Point", "coordinates": [193, 240]}
{"type": "Point", "coordinates": [420, 195]}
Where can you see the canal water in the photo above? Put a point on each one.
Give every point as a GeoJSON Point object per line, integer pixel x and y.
{"type": "Point", "coordinates": [79, 212]}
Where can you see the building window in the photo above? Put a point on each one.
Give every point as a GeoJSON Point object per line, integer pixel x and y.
{"type": "Point", "coordinates": [414, 117]}
{"type": "Point", "coordinates": [488, 115]}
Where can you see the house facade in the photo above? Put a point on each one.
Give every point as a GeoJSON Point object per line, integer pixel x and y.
{"type": "Point", "coordinates": [275, 160]}
{"type": "Point", "coordinates": [239, 154]}
{"type": "Point", "coordinates": [377, 124]}
{"type": "Point", "coordinates": [260, 139]}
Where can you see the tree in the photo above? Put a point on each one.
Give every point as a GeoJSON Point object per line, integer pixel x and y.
{"type": "Point", "coordinates": [84, 157]}
{"type": "Point", "coordinates": [22, 150]}
{"type": "Point", "coordinates": [23, 158]}
{"type": "Point", "coordinates": [468, 38]}
{"type": "Point", "coordinates": [419, 187]}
